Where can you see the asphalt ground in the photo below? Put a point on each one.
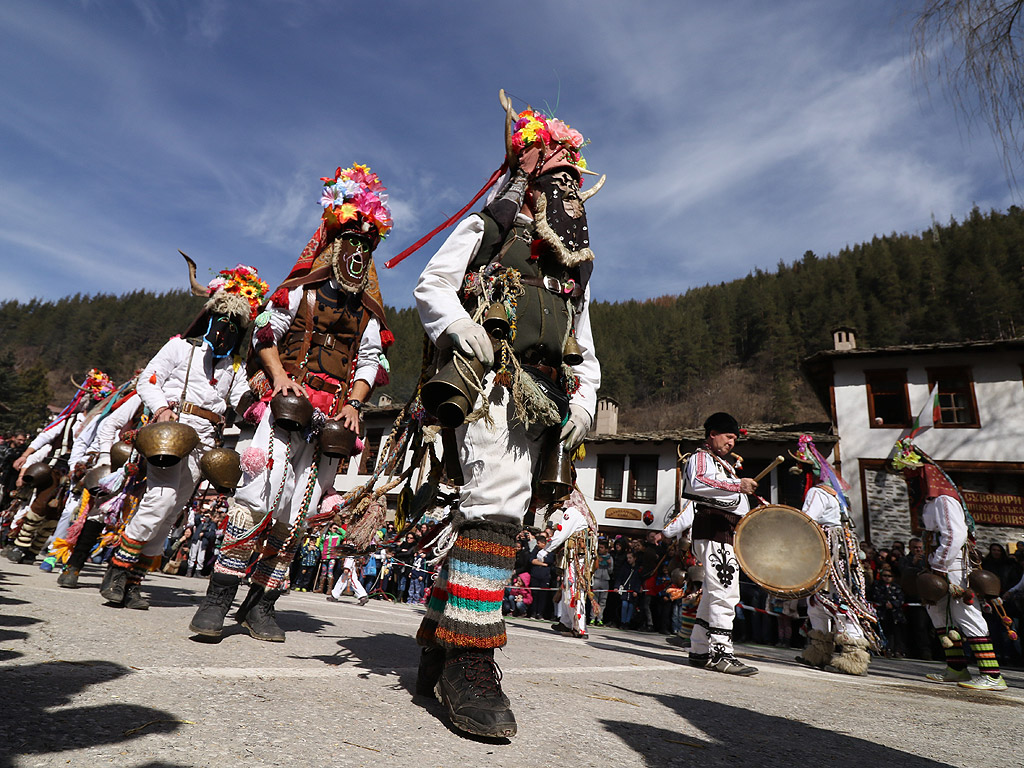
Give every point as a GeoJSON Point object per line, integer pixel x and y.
{"type": "Point", "coordinates": [85, 684]}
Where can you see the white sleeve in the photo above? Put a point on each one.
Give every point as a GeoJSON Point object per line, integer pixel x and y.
{"type": "Point", "coordinates": [107, 432]}
{"type": "Point", "coordinates": [44, 438]}
{"type": "Point", "coordinates": [815, 506]}
{"type": "Point", "coordinates": [239, 386]}
{"type": "Point", "coordinates": [952, 529]}
{"type": "Point", "coordinates": [281, 317]}
{"type": "Point", "coordinates": [682, 522]}
{"type": "Point", "coordinates": [158, 370]}
{"type": "Point", "coordinates": [589, 371]}
{"type": "Point", "coordinates": [370, 347]}
{"type": "Point", "coordinates": [437, 290]}
{"type": "Point", "coordinates": [702, 478]}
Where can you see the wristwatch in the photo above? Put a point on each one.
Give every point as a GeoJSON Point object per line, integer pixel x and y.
{"type": "Point", "coordinates": [357, 404]}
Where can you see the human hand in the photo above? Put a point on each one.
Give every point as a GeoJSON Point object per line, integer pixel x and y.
{"type": "Point", "coordinates": [165, 414]}
{"type": "Point", "coordinates": [747, 485]}
{"type": "Point", "coordinates": [20, 462]}
{"type": "Point", "coordinates": [472, 340]}
{"type": "Point", "coordinates": [349, 416]}
{"type": "Point", "coordinates": [286, 385]}
{"type": "Point", "coordinates": [576, 428]}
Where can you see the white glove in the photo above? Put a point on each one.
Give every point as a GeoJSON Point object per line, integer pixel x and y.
{"type": "Point", "coordinates": [472, 340]}
{"type": "Point", "coordinates": [576, 428]}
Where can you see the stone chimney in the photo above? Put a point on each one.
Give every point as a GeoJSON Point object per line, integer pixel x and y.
{"type": "Point", "coordinates": [843, 339]}
{"type": "Point", "coordinates": [383, 401]}
{"type": "Point", "coordinates": [606, 421]}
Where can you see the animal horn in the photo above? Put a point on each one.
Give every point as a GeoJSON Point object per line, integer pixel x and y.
{"type": "Point", "coordinates": [510, 117]}
{"type": "Point", "coordinates": [584, 196]}
{"type": "Point", "coordinates": [198, 289]}
{"type": "Point", "coordinates": [78, 387]}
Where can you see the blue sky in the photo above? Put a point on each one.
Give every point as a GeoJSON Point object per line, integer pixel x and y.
{"type": "Point", "coordinates": [734, 135]}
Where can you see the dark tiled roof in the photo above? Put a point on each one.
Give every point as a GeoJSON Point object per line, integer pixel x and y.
{"type": "Point", "coordinates": [765, 433]}
{"type": "Point", "coordinates": [920, 349]}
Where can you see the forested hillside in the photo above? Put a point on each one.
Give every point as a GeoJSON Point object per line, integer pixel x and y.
{"type": "Point", "coordinates": [736, 345]}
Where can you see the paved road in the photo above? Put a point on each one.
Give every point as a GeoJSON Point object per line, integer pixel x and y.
{"type": "Point", "coordinates": [87, 685]}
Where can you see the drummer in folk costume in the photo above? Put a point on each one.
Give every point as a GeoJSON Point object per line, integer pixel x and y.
{"type": "Point", "coordinates": [720, 497]}
{"type": "Point", "coordinates": [319, 339]}
{"type": "Point", "coordinates": [949, 544]}
{"type": "Point", "coordinates": [842, 621]}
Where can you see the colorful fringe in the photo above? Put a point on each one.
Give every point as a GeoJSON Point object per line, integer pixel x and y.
{"type": "Point", "coordinates": [955, 656]}
{"type": "Point", "coordinates": [985, 655]}
{"type": "Point", "coordinates": [276, 555]}
{"type": "Point", "coordinates": [128, 553]}
{"type": "Point", "coordinates": [479, 567]}
{"type": "Point", "coordinates": [237, 551]}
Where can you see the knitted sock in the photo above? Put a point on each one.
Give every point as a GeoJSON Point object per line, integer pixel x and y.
{"type": "Point", "coordinates": [276, 557]}
{"type": "Point", "coordinates": [128, 553]}
{"type": "Point", "coordinates": [234, 557]}
{"type": "Point", "coordinates": [142, 566]}
{"type": "Point", "coordinates": [425, 635]}
{"type": "Point", "coordinates": [955, 656]}
{"type": "Point", "coordinates": [480, 565]}
{"type": "Point", "coordinates": [985, 655]}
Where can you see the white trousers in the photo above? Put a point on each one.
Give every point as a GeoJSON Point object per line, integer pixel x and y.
{"type": "Point", "coordinates": [257, 493]}
{"type": "Point", "coordinates": [348, 578]}
{"type": "Point", "coordinates": [824, 620]}
{"type": "Point", "coordinates": [168, 490]}
{"type": "Point", "coordinates": [956, 613]}
{"type": "Point", "coordinates": [721, 595]}
{"type": "Point", "coordinates": [497, 462]}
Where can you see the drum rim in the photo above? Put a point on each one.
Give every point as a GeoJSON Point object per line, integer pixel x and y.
{"type": "Point", "coordinates": [805, 589]}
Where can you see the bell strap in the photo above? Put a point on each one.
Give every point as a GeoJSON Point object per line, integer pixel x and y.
{"type": "Point", "coordinates": [204, 413]}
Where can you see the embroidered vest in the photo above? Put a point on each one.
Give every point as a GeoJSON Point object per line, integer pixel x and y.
{"type": "Point", "coordinates": [337, 324]}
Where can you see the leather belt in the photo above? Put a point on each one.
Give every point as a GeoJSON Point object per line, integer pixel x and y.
{"type": "Point", "coordinates": [191, 408]}
{"type": "Point", "coordinates": [325, 340]}
{"type": "Point", "coordinates": [320, 385]}
{"type": "Point", "coordinates": [569, 289]}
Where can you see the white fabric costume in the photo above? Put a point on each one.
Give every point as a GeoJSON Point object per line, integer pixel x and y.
{"type": "Point", "coordinates": [349, 578]}
{"type": "Point", "coordinates": [572, 607]}
{"type": "Point", "coordinates": [944, 516]}
{"type": "Point", "coordinates": [497, 461]}
{"type": "Point", "coordinates": [715, 481]}
{"type": "Point", "coordinates": [211, 384]}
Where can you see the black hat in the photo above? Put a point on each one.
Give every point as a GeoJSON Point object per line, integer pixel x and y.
{"type": "Point", "coordinates": [721, 422]}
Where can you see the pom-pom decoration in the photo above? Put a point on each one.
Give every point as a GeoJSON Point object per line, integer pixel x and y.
{"type": "Point", "coordinates": [253, 460]}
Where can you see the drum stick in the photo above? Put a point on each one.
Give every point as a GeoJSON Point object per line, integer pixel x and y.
{"type": "Point", "coordinates": [760, 475]}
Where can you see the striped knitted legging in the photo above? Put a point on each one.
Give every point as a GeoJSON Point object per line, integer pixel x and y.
{"type": "Point", "coordinates": [276, 548]}
{"type": "Point", "coordinates": [464, 610]}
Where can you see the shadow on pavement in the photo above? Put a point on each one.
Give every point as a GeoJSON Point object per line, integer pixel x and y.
{"type": "Point", "coordinates": [736, 737]}
{"type": "Point", "coordinates": [387, 655]}
{"type": "Point", "coordinates": [42, 724]}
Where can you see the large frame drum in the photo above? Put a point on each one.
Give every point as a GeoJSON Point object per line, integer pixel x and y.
{"type": "Point", "coordinates": [783, 550]}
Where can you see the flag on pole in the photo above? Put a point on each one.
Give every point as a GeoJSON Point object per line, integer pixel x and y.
{"type": "Point", "coordinates": [929, 414]}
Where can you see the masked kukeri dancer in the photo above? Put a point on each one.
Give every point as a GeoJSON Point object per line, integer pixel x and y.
{"type": "Point", "coordinates": [720, 497]}
{"type": "Point", "coordinates": [842, 620]}
{"type": "Point", "coordinates": [58, 440]}
{"type": "Point", "coordinates": [949, 542]}
{"type": "Point", "coordinates": [320, 340]}
{"type": "Point", "coordinates": [192, 380]}
{"type": "Point", "coordinates": [575, 538]}
{"type": "Point", "coordinates": [526, 261]}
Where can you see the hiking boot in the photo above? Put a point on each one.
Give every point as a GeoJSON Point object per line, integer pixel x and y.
{"type": "Point", "coordinates": [17, 555]}
{"type": "Point", "coordinates": [430, 669]}
{"type": "Point", "coordinates": [260, 619]}
{"type": "Point", "coordinates": [364, 600]}
{"type": "Point", "coordinates": [209, 617]}
{"type": "Point", "coordinates": [133, 598]}
{"type": "Point", "coordinates": [253, 597]}
{"type": "Point", "coordinates": [470, 687]}
{"type": "Point", "coordinates": [730, 665]}
{"type": "Point", "coordinates": [985, 683]}
{"type": "Point", "coordinates": [699, 660]}
{"type": "Point", "coordinates": [68, 578]}
{"type": "Point", "coordinates": [949, 675]}
{"type": "Point", "coordinates": [115, 582]}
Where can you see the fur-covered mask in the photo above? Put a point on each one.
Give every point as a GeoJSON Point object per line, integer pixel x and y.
{"type": "Point", "coordinates": [351, 252]}
{"type": "Point", "coordinates": [560, 217]}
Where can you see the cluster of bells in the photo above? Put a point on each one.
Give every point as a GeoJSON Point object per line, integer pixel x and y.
{"type": "Point", "coordinates": [167, 443]}
{"type": "Point", "coordinates": [931, 588]}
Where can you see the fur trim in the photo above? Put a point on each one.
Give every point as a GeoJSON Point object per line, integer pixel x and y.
{"type": "Point", "coordinates": [547, 234]}
{"type": "Point", "coordinates": [851, 660]}
{"type": "Point", "coordinates": [819, 650]}
{"type": "Point", "coordinates": [846, 641]}
{"type": "Point", "coordinates": [224, 303]}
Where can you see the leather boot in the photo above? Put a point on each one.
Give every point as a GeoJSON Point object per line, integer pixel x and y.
{"type": "Point", "coordinates": [253, 597]}
{"type": "Point", "coordinates": [431, 667]}
{"type": "Point", "coordinates": [133, 598]}
{"type": "Point", "coordinates": [470, 687]}
{"type": "Point", "coordinates": [260, 619]}
{"type": "Point", "coordinates": [115, 584]}
{"type": "Point", "coordinates": [209, 618]}
{"type": "Point", "coordinates": [68, 578]}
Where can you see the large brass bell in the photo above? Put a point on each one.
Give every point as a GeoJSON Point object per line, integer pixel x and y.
{"type": "Point", "coordinates": [38, 476]}
{"type": "Point", "coordinates": [336, 440]}
{"type": "Point", "coordinates": [446, 396]}
{"type": "Point", "coordinates": [91, 481]}
{"type": "Point", "coordinates": [166, 443]}
{"type": "Point", "coordinates": [554, 478]}
{"type": "Point", "coordinates": [222, 467]}
{"type": "Point", "coordinates": [572, 354]}
{"type": "Point", "coordinates": [931, 587]}
{"type": "Point", "coordinates": [291, 412]}
{"type": "Point", "coordinates": [496, 321]}
{"type": "Point", "coordinates": [984, 582]}
{"type": "Point", "coordinates": [120, 452]}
